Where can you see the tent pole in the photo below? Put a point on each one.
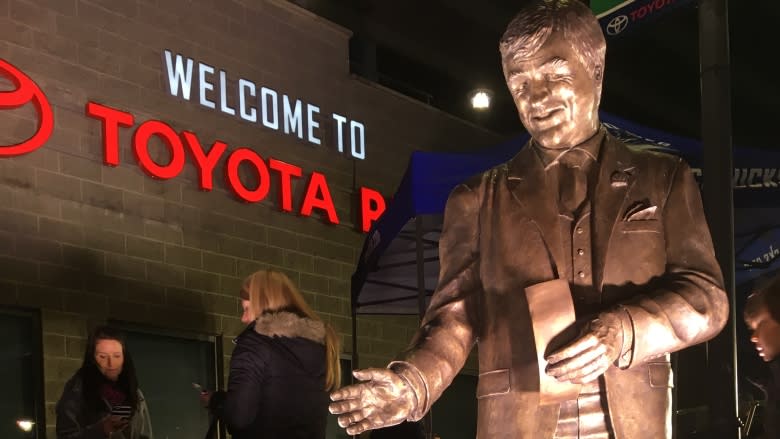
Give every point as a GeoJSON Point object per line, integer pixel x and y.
{"type": "Point", "coordinates": [421, 293]}
{"type": "Point", "coordinates": [718, 197]}
{"type": "Point", "coordinates": [419, 232]}
{"type": "Point", "coordinates": [354, 362]}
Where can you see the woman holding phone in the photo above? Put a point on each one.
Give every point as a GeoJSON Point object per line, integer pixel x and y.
{"type": "Point", "coordinates": [282, 368]}
{"type": "Point", "coordinates": [102, 399]}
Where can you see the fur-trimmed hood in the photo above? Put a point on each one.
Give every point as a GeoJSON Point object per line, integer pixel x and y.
{"type": "Point", "coordinates": [287, 324]}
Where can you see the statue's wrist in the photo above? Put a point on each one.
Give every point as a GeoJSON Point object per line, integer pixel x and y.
{"type": "Point", "coordinates": [417, 388]}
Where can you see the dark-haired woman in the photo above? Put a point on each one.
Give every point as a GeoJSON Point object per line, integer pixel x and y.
{"type": "Point", "coordinates": [102, 399]}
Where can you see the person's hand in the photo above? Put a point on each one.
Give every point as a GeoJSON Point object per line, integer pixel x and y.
{"type": "Point", "coordinates": [589, 356]}
{"type": "Point", "coordinates": [384, 399]}
{"type": "Point", "coordinates": [113, 423]}
{"type": "Point", "coordinates": [205, 397]}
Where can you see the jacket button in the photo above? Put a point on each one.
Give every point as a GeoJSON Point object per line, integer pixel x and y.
{"type": "Point", "coordinates": [580, 230]}
{"type": "Point", "coordinates": [580, 251]}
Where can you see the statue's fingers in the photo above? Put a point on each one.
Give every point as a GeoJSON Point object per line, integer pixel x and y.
{"type": "Point", "coordinates": [346, 406]}
{"type": "Point", "coordinates": [582, 344]}
{"type": "Point", "coordinates": [360, 427]}
{"type": "Point", "coordinates": [581, 374]}
{"type": "Point", "coordinates": [575, 363]}
{"type": "Point", "coordinates": [352, 418]}
{"type": "Point", "coordinates": [596, 373]}
{"type": "Point", "coordinates": [372, 374]}
{"type": "Point", "coordinates": [348, 392]}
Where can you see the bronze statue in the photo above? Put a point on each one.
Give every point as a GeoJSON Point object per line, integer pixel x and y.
{"type": "Point", "coordinates": [620, 232]}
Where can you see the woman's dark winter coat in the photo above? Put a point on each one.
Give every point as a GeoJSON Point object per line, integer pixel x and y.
{"type": "Point", "coordinates": [276, 387]}
{"type": "Point", "coordinates": [76, 420]}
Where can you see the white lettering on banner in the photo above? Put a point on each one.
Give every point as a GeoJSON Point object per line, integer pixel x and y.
{"type": "Point", "coordinates": [310, 110]}
{"type": "Point", "coordinates": [755, 178]}
{"type": "Point", "coordinates": [769, 256]}
{"type": "Point", "coordinates": [243, 85]}
{"type": "Point", "coordinates": [248, 103]}
{"type": "Point", "coordinates": [203, 69]}
{"type": "Point", "coordinates": [340, 120]}
{"type": "Point", "coordinates": [177, 76]}
{"type": "Point", "coordinates": [223, 105]}
{"type": "Point", "coordinates": [357, 127]}
{"type": "Point", "coordinates": [266, 93]}
{"type": "Point", "coordinates": [292, 117]}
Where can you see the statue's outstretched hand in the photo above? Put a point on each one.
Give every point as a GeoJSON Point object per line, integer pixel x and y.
{"type": "Point", "coordinates": [382, 400]}
{"type": "Point", "coordinates": [589, 356]}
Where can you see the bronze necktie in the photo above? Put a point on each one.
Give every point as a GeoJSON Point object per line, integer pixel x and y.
{"type": "Point", "coordinates": [573, 180]}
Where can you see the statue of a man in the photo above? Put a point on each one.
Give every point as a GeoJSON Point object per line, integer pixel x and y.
{"type": "Point", "coordinates": [623, 228]}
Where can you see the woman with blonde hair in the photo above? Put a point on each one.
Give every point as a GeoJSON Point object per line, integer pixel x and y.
{"type": "Point", "coordinates": [283, 366]}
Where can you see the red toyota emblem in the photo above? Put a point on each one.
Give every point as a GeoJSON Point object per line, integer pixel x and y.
{"type": "Point", "coordinates": [26, 91]}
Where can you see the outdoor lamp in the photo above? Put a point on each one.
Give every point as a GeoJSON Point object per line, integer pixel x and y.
{"type": "Point", "coordinates": [480, 99]}
{"type": "Point", "coordinates": [26, 425]}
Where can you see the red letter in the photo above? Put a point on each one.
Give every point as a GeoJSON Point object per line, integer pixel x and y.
{"type": "Point", "coordinates": [372, 206]}
{"type": "Point", "coordinates": [112, 120]}
{"type": "Point", "coordinates": [234, 180]}
{"type": "Point", "coordinates": [204, 162]}
{"type": "Point", "coordinates": [286, 171]}
{"type": "Point", "coordinates": [26, 91]}
{"type": "Point", "coordinates": [318, 184]}
{"type": "Point", "coordinates": [141, 147]}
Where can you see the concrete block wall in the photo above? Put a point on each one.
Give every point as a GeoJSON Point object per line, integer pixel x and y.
{"type": "Point", "coordinates": [85, 243]}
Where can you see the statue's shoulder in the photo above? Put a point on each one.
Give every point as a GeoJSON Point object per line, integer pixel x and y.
{"type": "Point", "coordinates": [650, 156]}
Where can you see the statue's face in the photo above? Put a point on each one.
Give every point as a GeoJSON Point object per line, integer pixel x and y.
{"type": "Point", "coordinates": [555, 95]}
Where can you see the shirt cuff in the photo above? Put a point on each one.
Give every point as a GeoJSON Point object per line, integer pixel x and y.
{"type": "Point", "coordinates": [627, 351]}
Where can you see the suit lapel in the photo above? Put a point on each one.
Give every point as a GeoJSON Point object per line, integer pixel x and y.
{"type": "Point", "coordinates": [528, 184]}
{"type": "Point", "coordinates": [617, 175]}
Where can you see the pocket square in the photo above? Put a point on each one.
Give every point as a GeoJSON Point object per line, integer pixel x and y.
{"type": "Point", "coordinates": [640, 211]}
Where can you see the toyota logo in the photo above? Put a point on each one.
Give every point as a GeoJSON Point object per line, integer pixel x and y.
{"type": "Point", "coordinates": [617, 25]}
{"type": "Point", "coordinates": [26, 91]}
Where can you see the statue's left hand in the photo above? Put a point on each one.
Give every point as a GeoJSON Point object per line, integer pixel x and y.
{"type": "Point", "coordinates": [590, 355]}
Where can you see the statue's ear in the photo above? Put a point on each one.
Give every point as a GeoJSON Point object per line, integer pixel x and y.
{"type": "Point", "coordinates": [598, 72]}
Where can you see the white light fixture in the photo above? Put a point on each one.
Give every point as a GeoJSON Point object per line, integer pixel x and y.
{"type": "Point", "coordinates": [480, 100]}
{"type": "Point", "coordinates": [26, 425]}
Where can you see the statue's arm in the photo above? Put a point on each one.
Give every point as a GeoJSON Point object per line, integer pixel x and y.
{"type": "Point", "coordinates": [449, 329]}
{"type": "Point", "coordinates": [688, 305]}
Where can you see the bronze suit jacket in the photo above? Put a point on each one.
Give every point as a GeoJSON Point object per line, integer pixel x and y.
{"type": "Point", "coordinates": [501, 235]}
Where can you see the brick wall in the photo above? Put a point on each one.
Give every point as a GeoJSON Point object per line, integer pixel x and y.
{"type": "Point", "coordinates": [85, 243]}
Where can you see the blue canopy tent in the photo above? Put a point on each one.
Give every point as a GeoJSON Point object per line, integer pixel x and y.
{"type": "Point", "coordinates": [398, 267]}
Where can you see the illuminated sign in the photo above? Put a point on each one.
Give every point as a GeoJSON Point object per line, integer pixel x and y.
{"type": "Point", "coordinates": [186, 145]}
{"type": "Point", "coordinates": [261, 105]}
{"type": "Point", "coordinates": [26, 91]}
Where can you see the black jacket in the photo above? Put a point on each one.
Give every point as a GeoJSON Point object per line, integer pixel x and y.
{"type": "Point", "coordinates": [75, 420]}
{"type": "Point", "coordinates": [276, 387]}
{"type": "Point", "coordinates": [772, 411]}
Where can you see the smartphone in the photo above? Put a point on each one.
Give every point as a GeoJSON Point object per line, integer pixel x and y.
{"type": "Point", "coordinates": [123, 411]}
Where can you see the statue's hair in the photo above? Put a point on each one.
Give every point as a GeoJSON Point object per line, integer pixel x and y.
{"type": "Point", "coordinates": [531, 28]}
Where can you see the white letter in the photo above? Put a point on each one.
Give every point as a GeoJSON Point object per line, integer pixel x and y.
{"type": "Point", "coordinates": [358, 126]}
{"type": "Point", "coordinates": [223, 94]}
{"type": "Point", "coordinates": [179, 76]}
{"type": "Point", "coordinates": [250, 115]}
{"type": "Point", "coordinates": [310, 110]}
{"type": "Point", "coordinates": [292, 118]}
{"type": "Point", "coordinates": [264, 93]}
{"type": "Point", "coordinates": [340, 131]}
{"type": "Point", "coordinates": [204, 85]}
